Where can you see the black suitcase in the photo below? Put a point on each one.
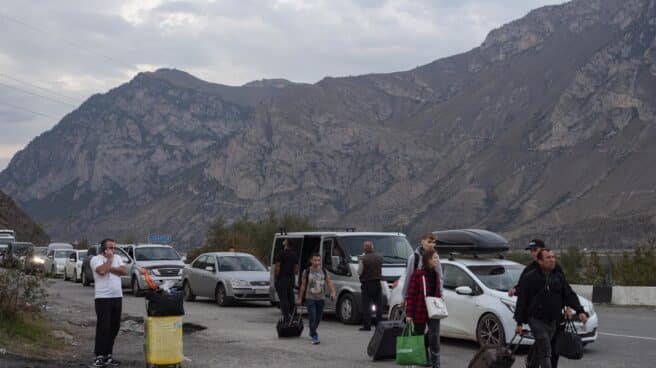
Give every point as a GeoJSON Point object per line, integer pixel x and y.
{"type": "Point", "coordinates": [495, 356]}
{"type": "Point", "coordinates": [290, 326]}
{"type": "Point", "coordinates": [383, 343]}
{"type": "Point", "coordinates": [161, 304]}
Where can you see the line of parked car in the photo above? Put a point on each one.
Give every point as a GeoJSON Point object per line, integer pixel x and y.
{"type": "Point", "coordinates": [476, 277]}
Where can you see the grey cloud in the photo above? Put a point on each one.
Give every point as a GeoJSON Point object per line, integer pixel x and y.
{"type": "Point", "coordinates": [235, 42]}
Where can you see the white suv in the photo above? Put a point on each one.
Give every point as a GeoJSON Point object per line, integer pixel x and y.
{"type": "Point", "coordinates": [476, 295]}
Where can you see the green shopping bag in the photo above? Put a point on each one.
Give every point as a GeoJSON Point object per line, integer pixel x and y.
{"type": "Point", "coordinates": [410, 350]}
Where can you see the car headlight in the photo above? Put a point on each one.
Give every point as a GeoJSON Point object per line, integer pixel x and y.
{"type": "Point", "coordinates": [509, 304]}
{"type": "Point", "coordinates": [239, 283]}
{"type": "Point", "coordinates": [37, 260]}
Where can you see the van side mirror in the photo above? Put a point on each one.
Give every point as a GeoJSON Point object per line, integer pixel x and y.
{"type": "Point", "coordinates": [209, 268]}
{"type": "Point", "coordinates": [464, 290]}
{"type": "Point", "coordinates": [72, 258]}
{"type": "Point", "coordinates": [125, 259]}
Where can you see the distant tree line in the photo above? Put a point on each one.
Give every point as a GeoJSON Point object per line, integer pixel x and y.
{"type": "Point", "coordinates": [249, 235]}
{"type": "Point", "coordinates": [633, 268]}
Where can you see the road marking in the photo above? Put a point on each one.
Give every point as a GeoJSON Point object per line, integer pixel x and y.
{"type": "Point", "coordinates": [629, 336]}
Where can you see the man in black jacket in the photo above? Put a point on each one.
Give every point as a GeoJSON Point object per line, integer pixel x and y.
{"type": "Point", "coordinates": [542, 295]}
{"type": "Point", "coordinates": [371, 272]}
{"type": "Point", "coordinates": [534, 246]}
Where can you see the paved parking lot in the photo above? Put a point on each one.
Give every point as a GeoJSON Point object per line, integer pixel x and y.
{"type": "Point", "coordinates": [244, 336]}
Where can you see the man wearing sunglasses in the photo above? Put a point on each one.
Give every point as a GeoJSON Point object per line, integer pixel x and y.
{"type": "Point", "coordinates": [107, 271]}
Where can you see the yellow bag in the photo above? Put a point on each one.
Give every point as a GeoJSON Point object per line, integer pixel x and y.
{"type": "Point", "coordinates": [163, 344]}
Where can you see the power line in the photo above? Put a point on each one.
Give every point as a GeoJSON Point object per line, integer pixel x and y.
{"type": "Point", "coordinates": [27, 110]}
{"type": "Point", "coordinates": [50, 90]}
{"type": "Point", "coordinates": [66, 41]}
{"type": "Point", "coordinates": [36, 94]}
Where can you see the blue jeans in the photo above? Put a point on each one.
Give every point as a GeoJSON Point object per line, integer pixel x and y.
{"type": "Point", "coordinates": [315, 312]}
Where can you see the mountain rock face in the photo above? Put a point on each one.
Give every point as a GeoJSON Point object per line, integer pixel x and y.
{"type": "Point", "coordinates": [545, 130]}
{"type": "Point", "coordinates": [12, 217]}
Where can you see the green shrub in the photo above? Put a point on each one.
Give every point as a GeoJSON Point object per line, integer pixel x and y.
{"type": "Point", "coordinates": [20, 292]}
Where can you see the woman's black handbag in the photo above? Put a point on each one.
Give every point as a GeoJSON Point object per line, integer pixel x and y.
{"type": "Point", "coordinates": [161, 304]}
{"type": "Point", "coordinates": [569, 343]}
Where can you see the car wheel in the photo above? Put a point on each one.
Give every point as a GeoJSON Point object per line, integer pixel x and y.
{"type": "Point", "coordinates": [348, 310]}
{"type": "Point", "coordinates": [85, 280]}
{"type": "Point", "coordinates": [75, 278]}
{"type": "Point", "coordinates": [52, 272]}
{"type": "Point", "coordinates": [490, 332]}
{"type": "Point", "coordinates": [136, 291]}
{"type": "Point", "coordinates": [275, 304]}
{"type": "Point", "coordinates": [221, 298]}
{"type": "Point", "coordinates": [65, 275]}
{"type": "Point", "coordinates": [188, 294]}
{"type": "Point", "coordinates": [397, 313]}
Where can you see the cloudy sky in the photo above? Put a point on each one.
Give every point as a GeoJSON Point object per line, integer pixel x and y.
{"type": "Point", "coordinates": [55, 54]}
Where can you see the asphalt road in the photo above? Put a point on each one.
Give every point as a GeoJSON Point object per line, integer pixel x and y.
{"type": "Point", "coordinates": [245, 336]}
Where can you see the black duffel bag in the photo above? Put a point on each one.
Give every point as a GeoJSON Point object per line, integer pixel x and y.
{"type": "Point", "coordinates": [569, 343]}
{"type": "Point", "coordinates": [161, 304]}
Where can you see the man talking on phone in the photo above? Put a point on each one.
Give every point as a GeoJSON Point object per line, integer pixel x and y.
{"type": "Point", "coordinates": [107, 271]}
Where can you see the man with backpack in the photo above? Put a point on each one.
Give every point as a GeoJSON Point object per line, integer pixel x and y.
{"type": "Point", "coordinates": [542, 295]}
{"type": "Point", "coordinates": [313, 293]}
{"type": "Point", "coordinates": [428, 241]}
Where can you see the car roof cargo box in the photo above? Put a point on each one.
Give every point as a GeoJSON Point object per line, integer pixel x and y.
{"type": "Point", "coordinates": [470, 241]}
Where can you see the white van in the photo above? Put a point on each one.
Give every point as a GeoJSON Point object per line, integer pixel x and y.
{"type": "Point", "coordinates": [339, 253]}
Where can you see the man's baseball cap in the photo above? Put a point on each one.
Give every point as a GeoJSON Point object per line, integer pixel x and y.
{"type": "Point", "coordinates": [535, 243]}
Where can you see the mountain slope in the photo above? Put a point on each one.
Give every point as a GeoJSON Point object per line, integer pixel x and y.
{"type": "Point", "coordinates": [543, 130]}
{"type": "Point", "coordinates": [12, 217]}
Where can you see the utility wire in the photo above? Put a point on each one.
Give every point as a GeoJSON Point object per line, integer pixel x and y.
{"type": "Point", "coordinates": [68, 42]}
{"type": "Point", "coordinates": [45, 89]}
{"type": "Point", "coordinates": [27, 110]}
{"type": "Point", "coordinates": [36, 94]}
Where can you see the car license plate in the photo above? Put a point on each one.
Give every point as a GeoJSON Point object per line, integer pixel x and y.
{"type": "Point", "coordinates": [261, 291]}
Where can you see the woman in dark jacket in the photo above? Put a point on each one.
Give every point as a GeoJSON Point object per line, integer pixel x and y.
{"type": "Point", "coordinates": [416, 303]}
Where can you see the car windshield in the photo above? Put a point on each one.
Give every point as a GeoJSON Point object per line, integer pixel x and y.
{"type": "Point", "coordinates": [239, 263]}
{"type": "Point", "coordinates": [40, 251]}
{"type": "Point", "coordinates": [63, 253]}
{"type": "Point", "coordinates": [395, 249]}
{"type": "Point", "coordinates": [498, 277]}
{"type": "Point", "coordinates": [156, 254]}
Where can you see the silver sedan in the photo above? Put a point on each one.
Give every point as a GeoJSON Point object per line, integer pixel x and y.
{"type": "Point", "coordinates": [226, 277]}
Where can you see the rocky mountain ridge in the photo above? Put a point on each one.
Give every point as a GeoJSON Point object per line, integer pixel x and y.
{"type": "Point", "coordinates": [544, 130]}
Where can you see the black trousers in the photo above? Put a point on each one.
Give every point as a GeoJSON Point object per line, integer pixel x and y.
{"type": "Point", "coordinates": [431, 340]}
{"type": "Point", "coordinates": [532, 360]}
{"type": "Point", "coordinates": [108, 314]}
{"type": "Point", "coordinates": [285, 290]}
{"type": "Point", "coordinates": [372, 293]}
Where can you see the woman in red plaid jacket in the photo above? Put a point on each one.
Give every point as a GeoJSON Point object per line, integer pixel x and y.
{"type": "Point", "coordinates": [416, 303]}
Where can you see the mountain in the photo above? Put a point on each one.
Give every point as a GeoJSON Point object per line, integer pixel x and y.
{"type": "Point", "coordinates": [544, 130]}
{"type": "Point", "coordinates": [12, 217]}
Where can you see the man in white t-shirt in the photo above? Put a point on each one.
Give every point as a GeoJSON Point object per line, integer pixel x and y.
{"type": "Point", "coordinates": [107, 271]}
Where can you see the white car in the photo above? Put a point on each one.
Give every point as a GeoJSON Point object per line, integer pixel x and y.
{"type": "Point", "coordinates": [73, 266]}
{"type": "Point", "coordinates": [56, 260]}
{"type": "Point", "coordinates": [476, 295]}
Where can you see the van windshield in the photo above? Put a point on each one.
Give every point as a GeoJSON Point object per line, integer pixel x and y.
{"type": "Point", "coordinates": [395, 249]}
{"type": "Point", "coordinates": [63, 253]}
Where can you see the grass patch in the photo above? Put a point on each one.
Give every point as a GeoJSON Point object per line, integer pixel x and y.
{"type": "Point", "coordinates": [26, 335]}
